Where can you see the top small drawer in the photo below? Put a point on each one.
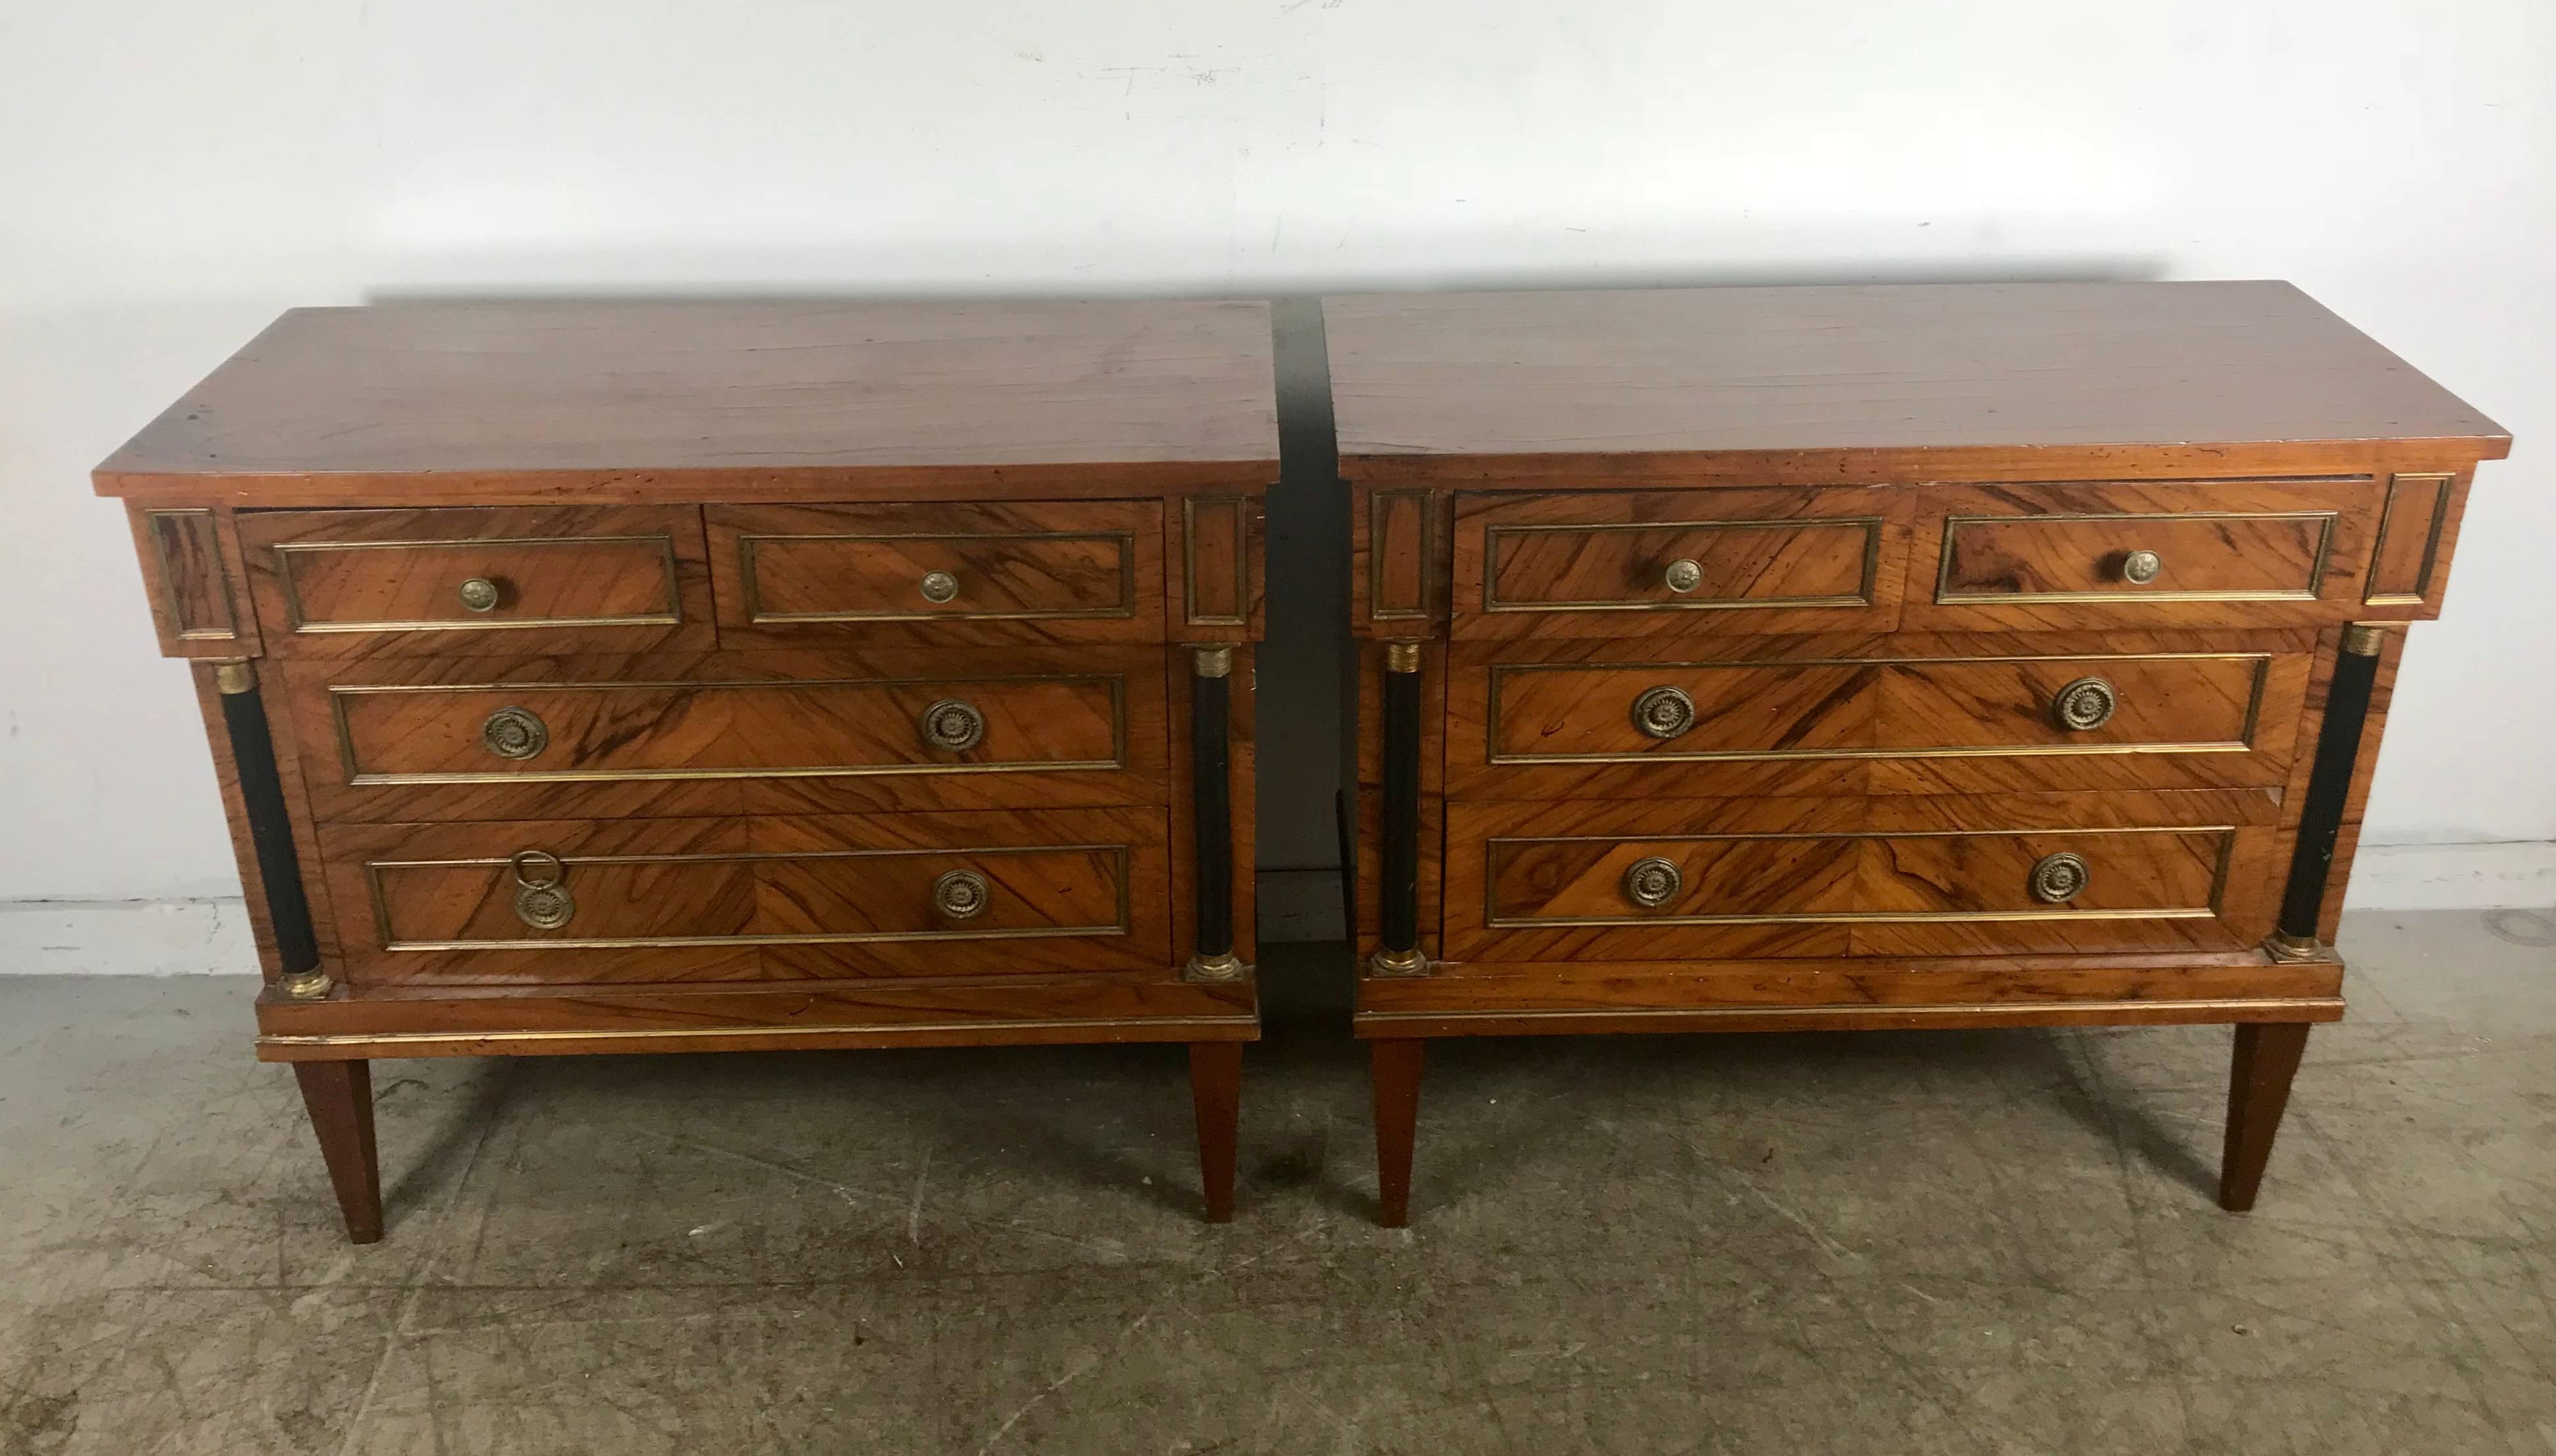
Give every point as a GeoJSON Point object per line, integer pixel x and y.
{"type": "Point", "coordinates": [941, 573]}
{"type": "Point", "coordinates": [2121, 554]}
{"type": "Point", "coordinates": [517, 580]}
{"type": "Point", "coordinates": [1606, 563]}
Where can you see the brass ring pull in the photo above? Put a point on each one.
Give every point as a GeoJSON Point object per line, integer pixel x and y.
{"type": "Point", "coordinates": [1684, 574]}
{"type": "Point", "coordinates": [514, 733]}
{"type": "Point", "coordinates": [2083, 706]}
{"type": "Point", "coordinates": [2138, 569]}
{"type": "Point", "coordinates": [960, 894]}
{"type": "Point", "coordinates": [953, 725]}
{"type": "Point", "coordinates": [2060, 878]}
{"type": "Point", "coordinates": [1663, 712]}
{"type": "Point", "coordinates": [938, 586]}
{"type": "Point", "coordinates": [1653, 882]}
{"type": "Point", "coordinates": [542, 900]}
{"type": "Point", "coordinates": [479, 594]}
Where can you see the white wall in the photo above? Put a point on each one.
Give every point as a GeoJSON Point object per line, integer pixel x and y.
{"type": "Point", "coordinates": [172, 175]}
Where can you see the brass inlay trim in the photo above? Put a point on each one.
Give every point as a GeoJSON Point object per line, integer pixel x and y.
{"type": "Point", "coordinates": [177, 615]}
{"type": "Point", "coordinates": [299, 618]}
{"type": "Point", "coordinates": [1239, 617]}
{"type": "Point", "coordinates": [2234, 1005]}
{"type": "Point", "coordinates": [357, 777]}
{"type": "Point", "coordinates": [1376, 610]}
{"type": "Point", "coordinates": [627, 1034]}
{"type": "Point", "coordinates": [753, 592]}
{"type": "Point", "coordinates": [1946, 596]}
{"type": "Point", "coordinates": [1121, 854]}
{"type": "Point", "coordinates": [2422, 591]}
{"type": "Point", "coordinates": [1862, 596]}
{"type": "Point", "coordinates": [2242, 743]}
{"type": "Point", "coordinates": [2211, 909]}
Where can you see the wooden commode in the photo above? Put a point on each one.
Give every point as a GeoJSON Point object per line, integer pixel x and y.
{"type": "Point", "coordinates": [592, 677]}
{"type": "Point", "coordinates": [1950, 655]}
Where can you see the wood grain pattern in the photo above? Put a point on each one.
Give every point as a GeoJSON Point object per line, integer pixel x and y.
{"type": "Point", "coordinates": [1037, 571]}
{"type": "Point", "coordinates": [661, 900]}
{"type": "Point", "coordinates": [526, 401]}
{"type": "Point", "coordinates": [1592, 563]}
{"type": "Point", "coordinates": [2418, 528]}
{"type": "Point", "coordinates": [799, 1015]}
{"type": "Point", "coordinates": [193, 574]}
{"type": "Point", "coordinates": [730, 733]}
{"type": "Point", "coordinates": [1845, 877]}
{"type": "Point", "coordinates": [1217, 593]}
{"type": "Point", "coordinates": [347, 583]}
{"type": "Point", "coordinates": [1902, 714]}
{"type": "Point", "coordinates": [2234, 553]}
{"type": "Point", "coordinates": [1651, 381]}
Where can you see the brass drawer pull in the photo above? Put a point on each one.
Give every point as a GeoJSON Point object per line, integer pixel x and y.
{"type": "Point", "coordinates": [938, 586]}
{"type": "Point", "coordinates": [953, 725]}
{"type": "Point", "coordinates": [2138, 569]}
{"type": "Point", "coordinates": [1653, 882]}
{"type": "Point", "coordinates": [514, 733]}
{"type": "Point", "coordinates": [2060, 878]}
{"type": "Point", "coordinates": [1663, 712]}
{"type": "Point", "coordinates": [2083, 706]}
{"type": "Point", "coordinates": [960, 894]}
{"type": "Point", "coordinates": [479, 594]}
{"type": "Point", "coordinates": [1684, 574]}
{"type": "Point", "coordinates": [542, 900]}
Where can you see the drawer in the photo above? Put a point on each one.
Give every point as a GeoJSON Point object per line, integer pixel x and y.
{"type": "Point", "coordinates": [1909, 877]}
{"type": "Point", "coordinates": [1041, 571]}
{"type": "Point", "coordinates": [729, 733]}
{"type": "Point", "coordinates": [567, 902]}
{"type": "Point", "coordinates": [1901, 714]}
{"type": "Point", "coordinates": [602, 578]}
{"type": "Point", "coordinates": [2227, 552]}
{"type": "Point", "coordinates": [1608, 563]}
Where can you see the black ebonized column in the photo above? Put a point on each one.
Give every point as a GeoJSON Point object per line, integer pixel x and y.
{"type": "Point", "coordinates": [2337, 749]}
{"type": "Point", "coordinates": [1212, 812]}
{"type": "Point", "coordinates": [270, 828]}
{"type": "Point", "coordinates": [1399, 860]}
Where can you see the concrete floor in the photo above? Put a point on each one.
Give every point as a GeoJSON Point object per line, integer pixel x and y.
{"type": "Point", "coordinates": [1963, 1242]}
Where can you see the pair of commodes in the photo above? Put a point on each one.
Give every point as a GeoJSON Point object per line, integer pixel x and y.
{"type": "Point", "coordinates": [647, 676]}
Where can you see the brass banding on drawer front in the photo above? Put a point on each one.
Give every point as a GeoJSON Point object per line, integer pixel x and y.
{"type": "Point", "coordinates": [1878, 722]}
{"type": "Point", "coordinates": [1089, 570]}
{"type": "Point", "coordinates": [512, 579]}
{"type": "Point", "coordinates": [568, 901]}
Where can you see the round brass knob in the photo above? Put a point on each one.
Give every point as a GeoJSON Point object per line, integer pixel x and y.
{"type": "Point", "coordinates": [2138, 569]}
{"type": "Point", "coordinates": [1663, 712]}
{"type": "Point", "coordinates": [1653, 882]}
{"type": "Point", "coordinates": [2083, 706]}
{"type": "Point", "coordinates": [542, 900]}
{"type": "Point", "coordinates": [960, 894]}
{"type": "Point", "coordinates": [514, 733]}
{"type": "Point", "coordinates": [953, 725]}
{"type": "Point", "coordinates": [1684, 574]}
{"type": "Point", "coordinates": [2060, 878]}
{"type": "Point", "coordinates": [938, 586]}
{"type": "Point", "coordinates": [480, 594]}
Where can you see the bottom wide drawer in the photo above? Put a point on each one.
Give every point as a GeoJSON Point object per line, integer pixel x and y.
{"type": "Point", "coordinates": [1884, 876]}
{"type": "Point", "coordinates": [589, 901]}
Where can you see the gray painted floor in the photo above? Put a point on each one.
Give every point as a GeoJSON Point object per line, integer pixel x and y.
{"type": "Point", "coordinates": [1964, 1241]}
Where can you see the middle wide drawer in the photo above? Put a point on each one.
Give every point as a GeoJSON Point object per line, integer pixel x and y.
{"type": "Point", "coordinates": [1897, 714]}
{"type": "Point", "coordinates": [728, 733]}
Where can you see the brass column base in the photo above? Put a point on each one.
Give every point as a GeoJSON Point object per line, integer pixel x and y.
{"type": "Point", "coordinates": [1397, 963]}
{"type": "Point", "coordinates": [1225, 967]}
{"type": "Point", "coordinates": [306, 986]}
{"type": "Point", "coordinates": [2286, 948]}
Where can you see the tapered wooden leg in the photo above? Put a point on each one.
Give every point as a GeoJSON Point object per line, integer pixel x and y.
{"type": "Point", "coordinates": [2258, 1089]}
{"type": "Point", "coordinates": [1215, 1094]}
{"type": "Point", "coordinates": [340, 1097]}
{"type": "Point", "coordinates": [1397, 1065]}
